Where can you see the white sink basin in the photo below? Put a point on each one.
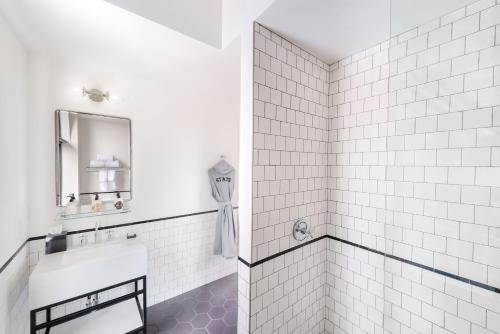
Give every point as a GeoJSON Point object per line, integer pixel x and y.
{"type": "Point", "coordinates": [81, 270]}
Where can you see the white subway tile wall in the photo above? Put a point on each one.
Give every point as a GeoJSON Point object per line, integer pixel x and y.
{"type": "Point", "coordinates": [413, 163]}
{"type": "Point", "coordinates": [290, 142]}
{"type": "Point", "coordinates": [14, 316]}
{"type": "Point", "coordinates": [180, 254]}
{"type": "Point", "coordinates": [243, 298]}
{"type": "Point", "coordinates": [288, 292]}
{"type": "Point", "coordinates": [413, 172]}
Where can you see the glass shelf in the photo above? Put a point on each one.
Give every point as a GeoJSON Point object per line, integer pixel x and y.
{"type": "Point", "coordinates": [68, 216]}
{"type": "Point", "coordinates": [98, 169]}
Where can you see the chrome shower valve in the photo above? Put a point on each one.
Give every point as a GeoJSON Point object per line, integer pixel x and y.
{"type": "Point", "coordinates": [301, 230]}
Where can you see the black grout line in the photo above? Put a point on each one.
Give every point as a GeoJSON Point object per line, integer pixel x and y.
{"type": "Point", "coordinates": [390, 256]}
{"type": "Point", "coordinates": [4, 266]}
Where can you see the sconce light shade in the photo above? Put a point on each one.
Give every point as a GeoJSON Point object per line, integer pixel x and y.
{"type": "Point", "coordinates": [95, 95]}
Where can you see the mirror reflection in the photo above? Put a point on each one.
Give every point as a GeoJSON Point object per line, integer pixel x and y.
{"type": "Point", "coordinates": [93, 156]}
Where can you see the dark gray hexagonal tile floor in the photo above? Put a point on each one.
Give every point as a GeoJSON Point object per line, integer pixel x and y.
{"type": "Point", "coordinates": [209, 309]}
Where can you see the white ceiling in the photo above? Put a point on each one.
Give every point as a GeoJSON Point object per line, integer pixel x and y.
{"type": "Point", "coordinates": [214, 22]}
{"type": "Point", "coordinates": [334, 29]}
{"type": "Point", "coordinates": [201, 20]}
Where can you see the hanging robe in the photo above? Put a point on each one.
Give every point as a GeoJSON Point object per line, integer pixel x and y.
{"type": "Point", "coordinates": [222, 183]}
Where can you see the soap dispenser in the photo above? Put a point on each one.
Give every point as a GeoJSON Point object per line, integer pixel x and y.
{"type": "Point", "coordinates": [118, 202]}
{"type": "Point", "coordinates": [72, 206]}
{"type": "Point", "coordinates": [96, 204]}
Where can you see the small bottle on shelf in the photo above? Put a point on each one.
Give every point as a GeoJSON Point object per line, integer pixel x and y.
{"type": "Point", "coordinates": [96, 203]}
{"type": "Point", "coordinates": [72, 206]}
{"type": "Point", "coordinates": [118, 202]}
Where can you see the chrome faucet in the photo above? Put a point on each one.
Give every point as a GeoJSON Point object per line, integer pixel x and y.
{"type": "Point", "coordinates": [96, 231]}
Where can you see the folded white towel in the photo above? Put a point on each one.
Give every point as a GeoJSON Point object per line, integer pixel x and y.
{"type": "Point", "coordinates": [114, 163]}
{"type": "Point", "coordinates": [96, 163]}
{"type": "Point", "coordinates": [103, 186]}
{"type": "Point", "coordinates": [103, 176]}
{"type": "Point", "coordinates": [111, 175]}
{"type": "Point", "coordinates": [105, 157]}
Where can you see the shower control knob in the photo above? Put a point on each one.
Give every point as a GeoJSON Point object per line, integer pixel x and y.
{"type": "Point", "coordinates": [301, 230]}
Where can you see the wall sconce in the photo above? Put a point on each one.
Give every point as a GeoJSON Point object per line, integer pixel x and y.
{"type": "Point", "coordinates": [95, 95]}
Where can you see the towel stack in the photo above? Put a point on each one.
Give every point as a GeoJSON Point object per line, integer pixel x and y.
{"type": "Point", "coordinates": [106, 177]}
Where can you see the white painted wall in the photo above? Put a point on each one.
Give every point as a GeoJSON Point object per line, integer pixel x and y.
{"type": "Point", "coordinates": [180, 127]}
{"type": "Point", "coordinates": [13, 199]}
{"type": "Point", "coordinates": [182, 96]}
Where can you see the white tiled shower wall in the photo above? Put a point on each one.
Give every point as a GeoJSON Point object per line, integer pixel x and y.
{"type": "Point", "coordinates": [180, 255]}
{"type": "Point", "coordinates": [367, 293]}
{"type": "Point", "coordinates": [413, 168]}
{"type": "Point", "coordinates": [288, 292]}
{"type": "Point", "coordinates": [415, 171]}
{"type": "Point", "coordinates": [290, 142]}
{"type": "Point", "coordinates": [289, 182]}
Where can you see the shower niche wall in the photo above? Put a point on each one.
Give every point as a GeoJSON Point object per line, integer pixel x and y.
{"type": "Point", "coordinates": [393, 155]}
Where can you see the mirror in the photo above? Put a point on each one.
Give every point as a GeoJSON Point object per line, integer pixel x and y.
{"type": "Point", "coordinates": [93, 155]}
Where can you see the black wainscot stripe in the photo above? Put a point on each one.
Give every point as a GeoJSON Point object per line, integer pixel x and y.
{"type": "Point", "coordinates": [244, 261]}
{"type": "Point", "coordinates": [251, 265]}
{"type": "Point", "coordinates": [42, 237]}
{"type": "Point", "coordinates": [134, 223]}
{"type": "Point", "coordinates": [421, 266]}
{"type": "Point", "coordinates": [390, 256]}
{"type": "Point", "coordinates": [4, 266]}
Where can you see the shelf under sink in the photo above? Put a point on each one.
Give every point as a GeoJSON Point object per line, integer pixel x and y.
{"type": "Point", "coordinates": [117, 319]}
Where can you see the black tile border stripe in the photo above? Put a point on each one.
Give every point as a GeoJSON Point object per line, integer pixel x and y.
{"type": "Point", "coordinates": [41, 237]}
{"type": "Point", "coordinates": [134, 223]}
{"type": "Point", "coordinates": [390, 256]}
{"type": "Point", "coordinates": [4, 266]}
{"type": "Point", "coordinates": [244, 261]}
{"type": "Point", "coordinates": [254, 264]}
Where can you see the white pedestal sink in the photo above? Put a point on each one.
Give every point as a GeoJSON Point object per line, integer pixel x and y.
{"type": "Point", "coordinates": [80, 270]}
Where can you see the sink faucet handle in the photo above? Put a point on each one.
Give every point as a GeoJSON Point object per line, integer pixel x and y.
{"type": "Point", "coordinates": [109, 234]}
{"type": "Point", "coordinates": [83, 239]}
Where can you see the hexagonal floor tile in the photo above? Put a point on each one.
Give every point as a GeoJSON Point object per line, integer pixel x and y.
{"type": "Point", "coordinates": [183, 328]}
{"type": "Point", "coordinates": [231, 294]}
{"type": "Point", "coordinates": [231, 305]}
{"type": "Point", "coordinates": [217, 300]}
{"type": "Point", "coordinates": [202, 307]}
{"type": "Point", "coordinates": [216, 327]}
{"type": "Point", "coordinates": [200, 321]}
{"type": "Point", "coordinates": [231, 318]}
{"type": "Point", "coordinates": [210, 309]}
{"type": "Point", "coordinates": [204, 295]}
{"type": "Point", "coordinates": [217, 312]}
{"type": "Point", "coordinates": [199, 331]}
{"type": "Point", "coordinates": [185, 315]}
{"type": "Point", "coordinates": [230, 330]}
{"type": "Point", "coordinates": [165, 323]}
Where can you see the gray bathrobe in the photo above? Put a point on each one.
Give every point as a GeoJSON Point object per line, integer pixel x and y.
{"type": "Point", "coordinates": [222, 183]}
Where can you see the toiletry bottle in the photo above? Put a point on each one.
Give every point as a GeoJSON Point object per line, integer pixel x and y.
{"type": "Point", "coordinates": [72, 206]}
{"type": "Point", "coordinates": [96, 204]}
{"type": "Point", "coordinates": [118, 202]}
